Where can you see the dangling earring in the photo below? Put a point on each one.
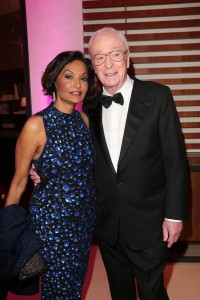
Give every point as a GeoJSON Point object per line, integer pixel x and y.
{"type": "Point", "coordinates": [54, 93]}
{"type": "Point", "coordinates": [54, 96]}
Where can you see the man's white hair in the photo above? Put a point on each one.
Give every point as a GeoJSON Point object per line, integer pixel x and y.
{"type": "Point", "coordinates": [108, 29]}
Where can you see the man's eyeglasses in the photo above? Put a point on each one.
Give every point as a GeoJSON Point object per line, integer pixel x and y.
{"type": "Point", "coordinates": [115, 55]}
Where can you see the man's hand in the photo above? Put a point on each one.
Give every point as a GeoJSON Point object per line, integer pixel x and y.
{"type": "Point", "coordinates": [34, 176]}
{"type": "Point", "coordinates": [171, 231]}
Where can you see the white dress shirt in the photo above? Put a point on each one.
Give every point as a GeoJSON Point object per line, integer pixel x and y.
{"type": "Point", "coordinates": [114, 120]}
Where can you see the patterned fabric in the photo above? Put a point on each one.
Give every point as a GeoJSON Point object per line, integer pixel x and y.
{"type": "Point", "coordinates": [63, 205]}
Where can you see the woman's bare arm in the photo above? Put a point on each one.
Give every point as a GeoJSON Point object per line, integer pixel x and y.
{"type": "Point", "coordinates": [29, 146]}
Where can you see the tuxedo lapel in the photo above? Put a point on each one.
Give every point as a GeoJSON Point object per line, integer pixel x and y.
{"type": "Point", "coordinates": [139, 104]}
{"type": "Point", "coordinates": [96, 121]}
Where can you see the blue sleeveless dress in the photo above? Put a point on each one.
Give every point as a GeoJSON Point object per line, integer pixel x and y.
{"type": "Point", "coordinates": [63, 205]}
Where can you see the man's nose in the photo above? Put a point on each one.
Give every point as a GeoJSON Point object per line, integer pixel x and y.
{"type": "Point", "coordinates": [108, 62]}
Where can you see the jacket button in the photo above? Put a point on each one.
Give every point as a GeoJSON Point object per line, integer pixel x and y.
{"type": "Point", "coordinates": [120, 183]}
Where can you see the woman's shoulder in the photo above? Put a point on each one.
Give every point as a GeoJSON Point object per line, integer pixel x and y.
{"type": "Point", "coordinates": [33, 124]}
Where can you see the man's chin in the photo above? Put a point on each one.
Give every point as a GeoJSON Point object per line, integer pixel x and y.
{"type": "Point", "coordinates": [112, 86]}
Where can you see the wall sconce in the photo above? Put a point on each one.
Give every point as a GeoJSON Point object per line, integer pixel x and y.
{"type": "Point", "coordinates": [23, 102]}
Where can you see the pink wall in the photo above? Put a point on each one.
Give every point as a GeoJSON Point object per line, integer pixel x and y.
{"type": "Point", "coordinates": [53, 26]}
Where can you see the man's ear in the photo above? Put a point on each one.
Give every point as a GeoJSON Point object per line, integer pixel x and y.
{"type": "Point", "coordinates": [128, 61]}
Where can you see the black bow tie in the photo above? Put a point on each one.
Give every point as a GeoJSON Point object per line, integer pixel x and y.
{"type": "Point", "coordinates": [107, 100]}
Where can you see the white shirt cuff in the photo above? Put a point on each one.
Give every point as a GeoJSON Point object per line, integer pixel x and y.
{"type": "Point", "coordinates": [173, 220]}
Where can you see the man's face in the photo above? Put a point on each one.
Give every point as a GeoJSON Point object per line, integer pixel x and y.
{"type": "Point", "coordinates": [112, 74]}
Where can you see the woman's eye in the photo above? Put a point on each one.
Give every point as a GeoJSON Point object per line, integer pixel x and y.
{"type": "Point", "coordinates": [68, 76]}
{"type": "Point", "coordinates": [84, 79]}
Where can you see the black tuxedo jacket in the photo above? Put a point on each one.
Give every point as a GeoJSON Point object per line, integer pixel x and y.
{"type": "Point", "coordinates": [151, 180]}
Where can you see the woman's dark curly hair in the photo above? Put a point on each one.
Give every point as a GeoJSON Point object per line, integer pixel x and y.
{"type": "Point", "coordinates": [54, 68]}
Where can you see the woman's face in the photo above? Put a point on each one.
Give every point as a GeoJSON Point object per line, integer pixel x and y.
{"type": "Point", "coordinates": [72, 82]}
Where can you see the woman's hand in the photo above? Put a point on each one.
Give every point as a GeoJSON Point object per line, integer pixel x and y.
{"type": "Point", "coordinates": [34, 176]}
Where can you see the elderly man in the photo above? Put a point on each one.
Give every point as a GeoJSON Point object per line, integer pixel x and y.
{"type": "Point", "coordinates": [140, 175]}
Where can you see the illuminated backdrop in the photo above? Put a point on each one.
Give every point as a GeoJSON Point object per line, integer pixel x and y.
{"type": "Point", "coordinates": [53, 26]}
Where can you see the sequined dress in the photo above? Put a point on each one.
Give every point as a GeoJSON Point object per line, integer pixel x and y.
{"type": "Point", "coordinates": [62, 206]}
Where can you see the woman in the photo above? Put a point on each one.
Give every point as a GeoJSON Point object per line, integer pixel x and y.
{"type": "Point", "coordinates": [62, 207]}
